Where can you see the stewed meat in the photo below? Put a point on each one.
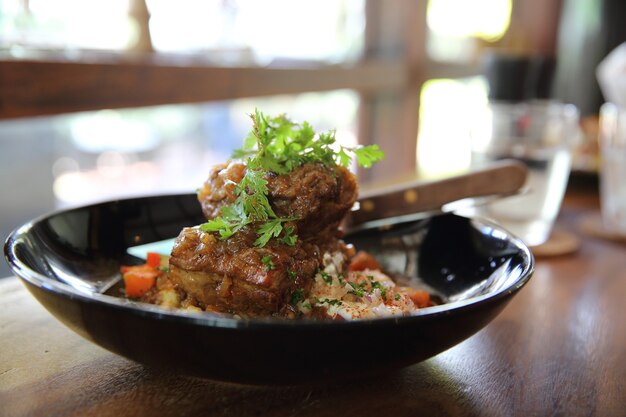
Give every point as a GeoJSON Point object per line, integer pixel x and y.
{"type": "Point", "coordinates": [319, 197]}
{"type": "Point", "coordinates": [314, 194]}
{"type": "Point", "coordinates": [219, 189]}
{"type": "Point", "coordinates": [235, 276]}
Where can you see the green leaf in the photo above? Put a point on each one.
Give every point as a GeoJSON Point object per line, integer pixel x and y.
{"type": "Point", "coordinates": [250, 141]}
{"type": "Point", "coordinates": [366, 156]}
{"type": "Point", "coordinates": [328, 279]}
{"type": "Point", "coordinates": [331, 302]}
{"type": "Point", "coordinates": [267, 231]}
{"type": "Point", "coordinates": [307, 134]}
{"type": "Point", "coordinates": [269, 264]}
{"type": "Point", "coordinates": [344, 158]}
{"type": "Point", "coordinates": [383, 290]}
{"type": "Point", "coordinates": [290, 238]}
{"type": "Point", "coordinates": [356, 289]}
{"type": "Point", "coordinates": [218, 225]}
{"type": "Point", "coordinates": [297, 296]}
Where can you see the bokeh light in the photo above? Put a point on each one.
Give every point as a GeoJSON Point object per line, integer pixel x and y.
{"type": "Point", "coordinates": [485, 19]}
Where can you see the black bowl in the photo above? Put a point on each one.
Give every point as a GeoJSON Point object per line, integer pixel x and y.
{"type": "Point", "coordinates": [472, 266]}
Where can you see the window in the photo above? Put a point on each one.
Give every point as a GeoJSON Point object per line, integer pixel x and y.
{"type": "Point", "coordinates": [361, 66]}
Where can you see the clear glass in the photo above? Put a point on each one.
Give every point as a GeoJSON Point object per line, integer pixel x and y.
{"type": "Point", "coordinates": [613, 167]}
{"type": "Point", "coordinates": [541, 135]}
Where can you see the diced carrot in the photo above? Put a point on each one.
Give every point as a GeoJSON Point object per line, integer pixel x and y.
{"type": "Point", "coordinates": [153, 259]}
{"type": "Point", "coordinates": [139, 279]}
{"type": "Point", "coordinates": [362, 261]}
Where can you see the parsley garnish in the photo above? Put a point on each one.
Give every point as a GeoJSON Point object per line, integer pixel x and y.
{"type": "Point", "coordinates": [397, 297]}
{"type": "Point", "coordinates": [269, 264]}
{"type": "Point", "coordinates": [297, 296]}
{"type": "Point", "coordinates": [329, 302]}
{"type": "Point", "coordinates": [356, 289]}
{"type": "Point", "coordinates": [328, 279]}
{"type": "Point", "coordinates": [292, 274]}
{"type": "Point", "coordinates": [383, 290]}
{"type": "Point", "coordinates": [278, 145]}
{"type": "Point", "coordinates": [289, 238]}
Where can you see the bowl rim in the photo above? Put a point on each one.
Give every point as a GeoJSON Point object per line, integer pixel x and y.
{"type": "Point", "coordinates": [218, 320]}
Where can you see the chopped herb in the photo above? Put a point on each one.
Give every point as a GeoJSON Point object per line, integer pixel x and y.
{"type": "Point", "coordinates": [329, 302]}
{"type": "Point", "coordinates": [289, 238]}
{"type": "Point", "coordinates": [308, 306]}
{"type": "Point", "coordinates": [297, 296]}
{"type": "Point", "coordinates": [341, 279]}
{"type": "Point", "coordinates": [383, 290]}
{"type": "Point", "coordinates": [278, 145]}
{"type": "Point", "coordinates": [269, 264]}
{"type": "Point", "coordinates": [292, 274]}
{"type": "Point", "coordinates": [356, 290]}
{"type": "Point", "coordinates": [397, 297]}
{"type": "Point", "coordinates": [328, 279]}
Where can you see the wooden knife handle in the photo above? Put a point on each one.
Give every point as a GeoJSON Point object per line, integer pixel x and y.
{"type": "Point", "coordinates": [502, 177]}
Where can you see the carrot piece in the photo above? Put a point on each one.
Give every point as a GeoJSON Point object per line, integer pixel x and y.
{"type": "Point", "coordinates": [139, 279]}
{"type": "Point", "coordinates": [153, 259]}
{"type": "Point", "coordinates": [362, 261]}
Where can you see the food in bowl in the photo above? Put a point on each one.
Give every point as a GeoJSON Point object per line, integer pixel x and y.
{"type": "Point", "coordinates": [272, 243]}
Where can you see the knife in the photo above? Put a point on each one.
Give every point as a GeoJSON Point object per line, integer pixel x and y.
{"type": "Point", "coordinates": [412, 200]}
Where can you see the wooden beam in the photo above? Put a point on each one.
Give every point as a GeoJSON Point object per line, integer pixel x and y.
{"type": "Point", "coordinates": [45, 87]}
{"type": "Point", "coordinates": [396, 30]}
{"type": "Point", "coordinates": [451, 70]}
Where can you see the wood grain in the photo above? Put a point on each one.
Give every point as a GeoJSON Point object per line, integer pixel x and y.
{"type": "Point", "coordinates": [558, 349]}
{"type": "Point", "coordinates": [502, 178]}
{"type": "Point", "coordinates": [53, 86]}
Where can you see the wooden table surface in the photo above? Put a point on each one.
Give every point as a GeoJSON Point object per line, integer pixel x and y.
{"type": "Point", "coordinates": [558, 349]}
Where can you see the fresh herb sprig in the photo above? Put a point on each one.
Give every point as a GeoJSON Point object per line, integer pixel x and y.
{"type": "Point", "coordinates": [278, 145]}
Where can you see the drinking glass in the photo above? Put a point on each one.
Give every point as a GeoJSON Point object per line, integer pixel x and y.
{"type": "Point", "coordinates": [541, 135]}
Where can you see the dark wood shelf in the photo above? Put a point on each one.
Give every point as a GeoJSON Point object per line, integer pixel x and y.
{"type": "Point", "coordinates": [33, 87]}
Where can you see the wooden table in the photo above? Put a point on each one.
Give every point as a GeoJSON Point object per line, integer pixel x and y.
{"type": "Point", "coordinates": [558, 349]}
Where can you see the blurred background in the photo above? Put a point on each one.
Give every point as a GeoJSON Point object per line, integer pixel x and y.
{"type": "Point", "coordinates": [116, 98]}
